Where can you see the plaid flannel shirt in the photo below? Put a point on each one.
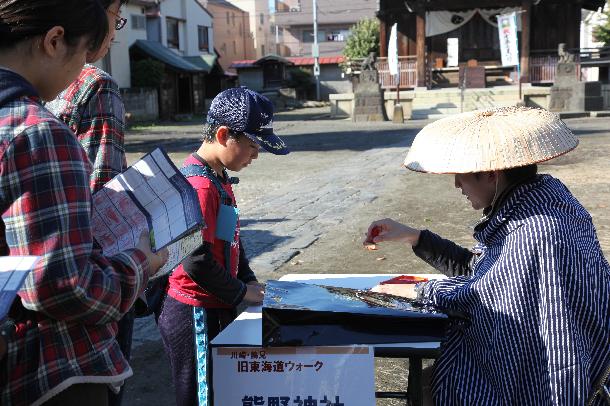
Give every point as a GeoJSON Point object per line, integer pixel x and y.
{"type": "Point", "coordinates": [66, 318]}
{"type": "Point", "coordinates": [93, 109]}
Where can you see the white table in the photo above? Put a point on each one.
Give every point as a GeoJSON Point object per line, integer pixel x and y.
{"type": "Point", "coordinates": [247, 330]}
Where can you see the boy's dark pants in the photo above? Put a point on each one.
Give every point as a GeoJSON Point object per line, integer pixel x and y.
{"type": "Point", "coordinates": [175, 322]}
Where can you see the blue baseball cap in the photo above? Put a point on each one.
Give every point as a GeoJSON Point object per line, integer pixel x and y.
{"type": "Point", "coordinates": [244, 110]}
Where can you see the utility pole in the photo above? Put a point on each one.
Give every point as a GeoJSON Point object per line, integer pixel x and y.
{"type": "Point", "coordinates": [277, 40]}
{"type": "Point", "coordinates": [315, 51]}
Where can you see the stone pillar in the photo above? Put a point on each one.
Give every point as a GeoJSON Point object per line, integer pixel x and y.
{"type": "Point", "coordinates": [568, 93]}
{"type": "Point", "coordinates": [368, 99]}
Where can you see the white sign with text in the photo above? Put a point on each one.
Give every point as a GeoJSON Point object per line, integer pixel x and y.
{"type": "Point", "coordinates": [507, 32]}
{"type": "Point", "coordinates": [289, 376]}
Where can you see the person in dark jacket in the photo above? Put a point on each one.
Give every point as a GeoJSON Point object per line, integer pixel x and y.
{"type": "Point", "coordinates": [536, 286]}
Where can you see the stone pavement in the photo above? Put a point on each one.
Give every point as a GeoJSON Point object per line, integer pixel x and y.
{"type": "Point", "coordinates": [306, 212]}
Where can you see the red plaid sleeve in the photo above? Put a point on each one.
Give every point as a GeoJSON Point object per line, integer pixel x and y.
{"type": "Point", "coordinates": [93, 109]}
{"type": "Point", "coordinates": [44, 189]}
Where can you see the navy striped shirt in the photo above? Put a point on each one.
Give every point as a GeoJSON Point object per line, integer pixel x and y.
{"type": "Point", "coordinates": [539, 303]}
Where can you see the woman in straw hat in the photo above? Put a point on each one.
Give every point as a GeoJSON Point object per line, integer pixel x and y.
{"type": "Point", "coordinates": [536, 285]}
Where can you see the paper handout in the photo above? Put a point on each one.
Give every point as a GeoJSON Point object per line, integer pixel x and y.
{"type": "Point", "coordinates": [151, 195]}
{"type": "Point", "coordinates": [13, 271]}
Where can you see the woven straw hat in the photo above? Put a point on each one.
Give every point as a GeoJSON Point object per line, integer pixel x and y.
{"type": "Point", "coordinates": [488, 140]}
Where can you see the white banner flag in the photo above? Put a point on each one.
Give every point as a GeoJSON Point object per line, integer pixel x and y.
{"type": "Point", "coordinates": [507, 30]}
{"type": "Point", "coordinates": [393, 51]}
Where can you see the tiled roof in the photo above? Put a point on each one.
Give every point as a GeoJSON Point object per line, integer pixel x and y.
{"type": "Point", "coordinates": [246, 63]}
{"type": "Point", "coordinates": [165, 55]}
{"type": "Point", "coordinates": [297, 61]}
{"type": "Point", "coordinates": [323, 60]}
{"type": "Point", "coordinates": [205, 61]}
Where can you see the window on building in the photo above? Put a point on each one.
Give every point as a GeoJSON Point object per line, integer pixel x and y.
{"type": "Point", "coordinates": [233, 19]}
{"type": "Point", "coordinates": [262, 18]}
{"type": "Point", "coordinates": [173, 32]}
{"type": "Point", "coordinates": [263, 50]}
{"type": "Point", "coordinates": [336, 35]}
{"type": "Point", "coordinates": [234, 48]}
{"type": "Point", "coordinates": [204, 44]}
{"type": "Point", "coordinates": [241, 30]}
{"type": "Point", "coordinates": [223, 49]}
{"type": "Point", "coordinates": [138, 22]}
{"type": "Point", "coordinates": [228, 18]}
{"type": "Point", "coordinates": [308, 36]}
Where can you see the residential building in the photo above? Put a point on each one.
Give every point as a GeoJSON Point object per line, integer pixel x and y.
{"type": "Point", "coordinates": [335, 18]}
{"type": "Point", "coordinates": [177, 33]}
{"type": "Point", "coordinates": [262, 29]}
{"type": "Point", "coordinates": [116, 61]}
{"type": "Point", "coordinates": [232, 36]}
{"type": "Point", "coordinates": [184, 26]}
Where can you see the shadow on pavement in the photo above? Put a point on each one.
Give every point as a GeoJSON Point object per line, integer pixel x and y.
{"type": "Point", "coordinates": [354, 140]}
{"type": "Point", "coordinates": [249, 222]}
{"type": "Point", "coordinates": [170, 145]}
{"type": "Point", "coordinates": [357, 140]}
{"type": "Point", "coordinates": [300, 115]}
{"type": "Point", "coordinates": [257, 242]}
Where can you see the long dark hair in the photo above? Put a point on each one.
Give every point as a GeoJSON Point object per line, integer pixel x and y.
{"type": "Point", "coordinates": [521, 173]}
{"type": "Point", "coordinates": [24, 19]}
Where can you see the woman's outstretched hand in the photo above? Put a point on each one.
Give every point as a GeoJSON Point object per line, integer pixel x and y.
{"type": "Point", "coordinates": [390, 230]}
{"type": "Point", "coordinates": [403, 290]}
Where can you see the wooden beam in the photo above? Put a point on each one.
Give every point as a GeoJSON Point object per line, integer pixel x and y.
{"type": "Point", "coordinates": [573, 24]}
{"type": "Point", "coordinates": [403, 40]}
{"type": "Point", "coordinates": [420, 47]}
{"type": "Point", "coordinates": [383, 39]}
{"type": "Point", "coordinates": [526, 18]}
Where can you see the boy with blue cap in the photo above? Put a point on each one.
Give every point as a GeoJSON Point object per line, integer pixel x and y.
{"type": "Point", "coordinates": [205, 289]}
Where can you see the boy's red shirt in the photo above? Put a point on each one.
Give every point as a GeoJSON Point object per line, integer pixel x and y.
{"type": "Point", "coordinates": [181, 286]}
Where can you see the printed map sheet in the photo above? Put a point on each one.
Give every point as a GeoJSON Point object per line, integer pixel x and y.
{"type": "Point", "coordinates": [151, 195]}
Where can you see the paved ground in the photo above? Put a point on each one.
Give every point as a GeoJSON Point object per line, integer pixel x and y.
{"type": "Point", "coordinates": [306, 212]}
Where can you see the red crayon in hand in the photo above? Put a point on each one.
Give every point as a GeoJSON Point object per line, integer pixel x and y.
{"type": "Point", "coordinates": [406, 279]}
{"type": "Point", "coordinates": [369, 244]}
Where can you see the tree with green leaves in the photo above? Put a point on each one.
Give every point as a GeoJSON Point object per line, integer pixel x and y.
{"type": "Point", "coordinates": [602, 32]}
{"type": "Point", "coordinates": [363, 39]}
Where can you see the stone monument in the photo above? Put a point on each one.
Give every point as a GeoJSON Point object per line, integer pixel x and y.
{"type": "Point", "coordinates": [568, 93]}
{"type": "Point", "coordinates": [368, 99]}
